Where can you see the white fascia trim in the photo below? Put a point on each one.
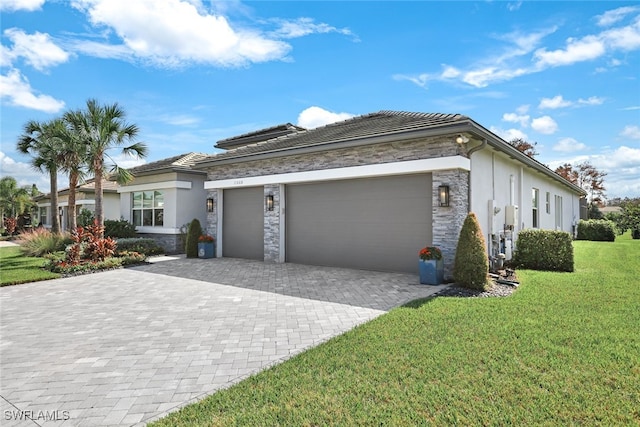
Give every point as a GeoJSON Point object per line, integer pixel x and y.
{"type": "Point", "coordinates": [157, 230]}
{"type": "Point", "coordinates": [65, 204]}
{"type": "Point", "coordinates": [365, 171]}
{"type": "Point", "coordinates": [155, 186]}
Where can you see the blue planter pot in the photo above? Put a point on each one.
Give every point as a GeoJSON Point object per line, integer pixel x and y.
{"type": "Point", "coordinates": [206, 250]}
{"type": "Point", "coordinates": [431, 272]}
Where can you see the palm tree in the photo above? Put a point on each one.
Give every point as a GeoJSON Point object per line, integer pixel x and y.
{"type": "Point", "coordinates": [13, 199]}
{"type": "Point", "coordinates": [74, 154]}
{"type": "Point", "coordinates": [40, 141]}
{"type": "Point", "coordinates": [101, 128]}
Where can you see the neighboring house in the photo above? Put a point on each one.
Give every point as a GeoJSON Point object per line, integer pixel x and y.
{"type": "Point", "coordinates": [85, 199]}
{"type": "Point", "coordinates": [163, 197]}
{"type": "Point", "coordinates": [370, 191]}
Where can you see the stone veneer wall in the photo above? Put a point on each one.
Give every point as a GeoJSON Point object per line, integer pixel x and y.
{"type": "Point", "coordinates": [171, 243]}
{"type": "Point", "coordinates": [447, 221]}
{"type": "Point", "coordinates": [425, 148]}
{"type": "Point", "coordinates": [272, 225]}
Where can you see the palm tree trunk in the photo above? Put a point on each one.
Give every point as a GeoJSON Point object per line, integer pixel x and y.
{"type": "Point", "coordinates": [73, 183]}
{"type": "Point", "coordinates": [98, 171]}
{"type": "Point", "coordinates": [55, 219]}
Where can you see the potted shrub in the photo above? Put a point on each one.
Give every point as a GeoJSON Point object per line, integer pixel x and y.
{"type": "Point", "coordinates": [431, 266]}
{"type": "Point", "coordinates": [206, 246]}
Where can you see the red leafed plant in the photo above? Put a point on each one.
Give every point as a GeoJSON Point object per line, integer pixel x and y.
{"type": "Point", "coordinates": [205, 238]}
{"type": "Point", "coordinates": [429, 253]}
{"type": "Point", "coordinates": [10, 224]}
{"type": "Point", "coordinates": [89, 245]}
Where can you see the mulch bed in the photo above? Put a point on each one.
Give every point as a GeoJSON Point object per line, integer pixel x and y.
{"type": "Point", "coordinates": [497, 290]}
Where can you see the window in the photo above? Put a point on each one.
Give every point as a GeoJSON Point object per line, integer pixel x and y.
{"type": "Point", "coordinates": [559, 213]}
{"type": "Point", "coordinates": [43, 215]}
{"type": "Point", "coordinates": [535, 200]}
{"type": "Point", "coordinates": [148, 208]}
{"type": "Point", "coordinates": [548, 201]}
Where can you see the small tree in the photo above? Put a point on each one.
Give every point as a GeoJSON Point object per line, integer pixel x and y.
{"type": "Point", "coordinates": [193, 233]}
{"type": "Point", "coordinates": [524, 146]}
{"type": "Point", "coordinates": [471, 266]}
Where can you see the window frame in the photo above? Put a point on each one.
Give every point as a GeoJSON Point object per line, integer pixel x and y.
{"type": "Point", "coordinates": [147, 208]}
{"type": "Point", "coordinates": [535, 208]}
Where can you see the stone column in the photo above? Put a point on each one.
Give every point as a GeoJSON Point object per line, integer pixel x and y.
{"type": "Point", "coordinates": [211, 227]}
{"type": "Point", "coordinates": [447, 221]}
{"type": "Point", "coordinates": [272, 224]}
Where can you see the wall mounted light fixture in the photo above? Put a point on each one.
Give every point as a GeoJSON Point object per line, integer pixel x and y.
{"type": "Point", "coordinates": [209, 205]}
{"type": "Point", "coordinates": [461, 139]}
{"type": "Point", "coordinates": [60, 211]}
{"type": "Point", "coordinates": [443, 195]}
{"type": "Point", "coordinates": [268, 201]}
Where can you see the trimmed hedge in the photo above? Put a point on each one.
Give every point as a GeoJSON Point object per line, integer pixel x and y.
{"type": "Point", "coordinates": [471, 265]}
{"type": "Point", "coordinates": [119, 228]}
{"type": "Point", "coordinates": [597, 230]}
{"type": "Point", "coordinates": [142, 245]}
{"type": "Point", "coordinates": [546, 250]}
{"type": "Point", "coordinates": [193, 234]}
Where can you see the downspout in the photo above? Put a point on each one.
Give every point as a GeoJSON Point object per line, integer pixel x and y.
{"type": "Point", "coordinates": [469, 153]}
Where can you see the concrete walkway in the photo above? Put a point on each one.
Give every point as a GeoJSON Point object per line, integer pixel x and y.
{"type": "Point", "coordinates": [128, 346]}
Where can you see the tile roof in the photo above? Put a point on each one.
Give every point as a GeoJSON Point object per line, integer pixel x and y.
{"type": "Point", "coordinates": [257, 136]}
{"type": "Point", "coordinates": [368, 125]}
{"type": "Point", "coordinates": [181, 161]}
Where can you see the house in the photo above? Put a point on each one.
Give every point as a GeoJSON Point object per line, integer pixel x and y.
{"type": "Point", "coordinates": [164, 197]}
{"type": "Point", "coordinates": [85, 199]}
{"type": "Point", "coordinates": [369, 192]}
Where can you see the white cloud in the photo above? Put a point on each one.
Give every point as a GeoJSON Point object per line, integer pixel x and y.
{"type": "Point", "coordinates": [16, 90]}
{"type": "Point", "coordinates": [314, 117]}
{"type": "Point", "coordinates": [175, 33]}
{"type": "Point", "coordinates": [569, 145]}
{"type": "Point", "coordinates": [631, 132]}
{"type": "Point", "coordinates": [592, 100]}
{"type": "Point", "coordinates": [515, 118]}
{"type": "Point", "coordinates": [545, 125]}
{"type": "Point", "coordinates": [523, 109]}
{"type": "Point", "coordinates": [509, 134]}
{"type": "Point", "coordinates": [23, 173]}
{"type": "Point", "coordinates": [552, 103]}
{"type": "Point", "coordinates": [577, 50]}
{"type": "Point", "coordinates": [28, 5]}
{"type": "Point", "coordinates": [420, 80]}
{"type": "Point", "coordinates": [523, 54]}
{"type": "Point", "coordinates": [37, 49]}
{"type": "Point", "coordinates": [305, 26]}
{"type": "Point", "coordinates": [559, 102]}
{"type": "Point", "coordinates": [514, 6]}
{"type": "Point", "coordinates": [611, 17]}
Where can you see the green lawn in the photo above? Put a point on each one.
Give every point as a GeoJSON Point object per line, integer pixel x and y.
{"type": "Point", "coordinates": [563, 350]}
{"type": "Point", "coordinates": [16, 268]}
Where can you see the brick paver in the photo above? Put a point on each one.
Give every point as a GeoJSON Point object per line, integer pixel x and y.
{"type": "Point", "coordinates": [128, 346]}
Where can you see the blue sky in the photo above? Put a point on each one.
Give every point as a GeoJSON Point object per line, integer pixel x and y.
{"type": "Point", "coordinates": [190, 72]}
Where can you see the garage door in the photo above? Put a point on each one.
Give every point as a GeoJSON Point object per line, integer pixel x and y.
{"type": "Point", "coordinates": [372, 223]}
{"type": "Point", "coordinates": [243, 223]}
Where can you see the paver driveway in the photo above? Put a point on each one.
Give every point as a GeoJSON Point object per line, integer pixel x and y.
{"type": "Point", "coordinates": [128, 346]}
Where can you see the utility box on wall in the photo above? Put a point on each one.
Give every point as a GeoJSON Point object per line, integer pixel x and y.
{"type": "Point", "coordinates": [510, 215]}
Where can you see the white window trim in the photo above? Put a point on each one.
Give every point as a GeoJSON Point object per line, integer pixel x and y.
{"type": "Point", "coordinates": [365, 171]}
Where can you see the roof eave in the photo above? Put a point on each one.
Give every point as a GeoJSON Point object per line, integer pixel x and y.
{"type": "Point", "coordinates": [335, 144]}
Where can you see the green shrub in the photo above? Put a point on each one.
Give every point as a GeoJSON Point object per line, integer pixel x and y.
{"type": "Point", "coordinates": [131, 257]}
{"type": "Point", "coordinates": [471, 266]}
{"type": "Point", "coordinates": [546, 250]}
{"type": "Point", "coordinates": [85, 218]}
{"type": "Point", "coordinates": [193, 233]}
{"type": "Point", "coordinates": [142, 245]}
{"type": "Point", "coordinates": [635, 233]}
{"type": "Point", "coordinates": [597, 230]}
{"type": "Point", "coordinates": [119, 228]}
{"type": "Point", "coordinates": [84, 267]}
{"type": "Point", "coordinates": [40, 241]}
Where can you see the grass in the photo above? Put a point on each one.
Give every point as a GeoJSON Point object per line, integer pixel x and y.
{"type": "Point", "coordinates": [563, 350]}
{"type": "Point", "coordinates": [16, 268]}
